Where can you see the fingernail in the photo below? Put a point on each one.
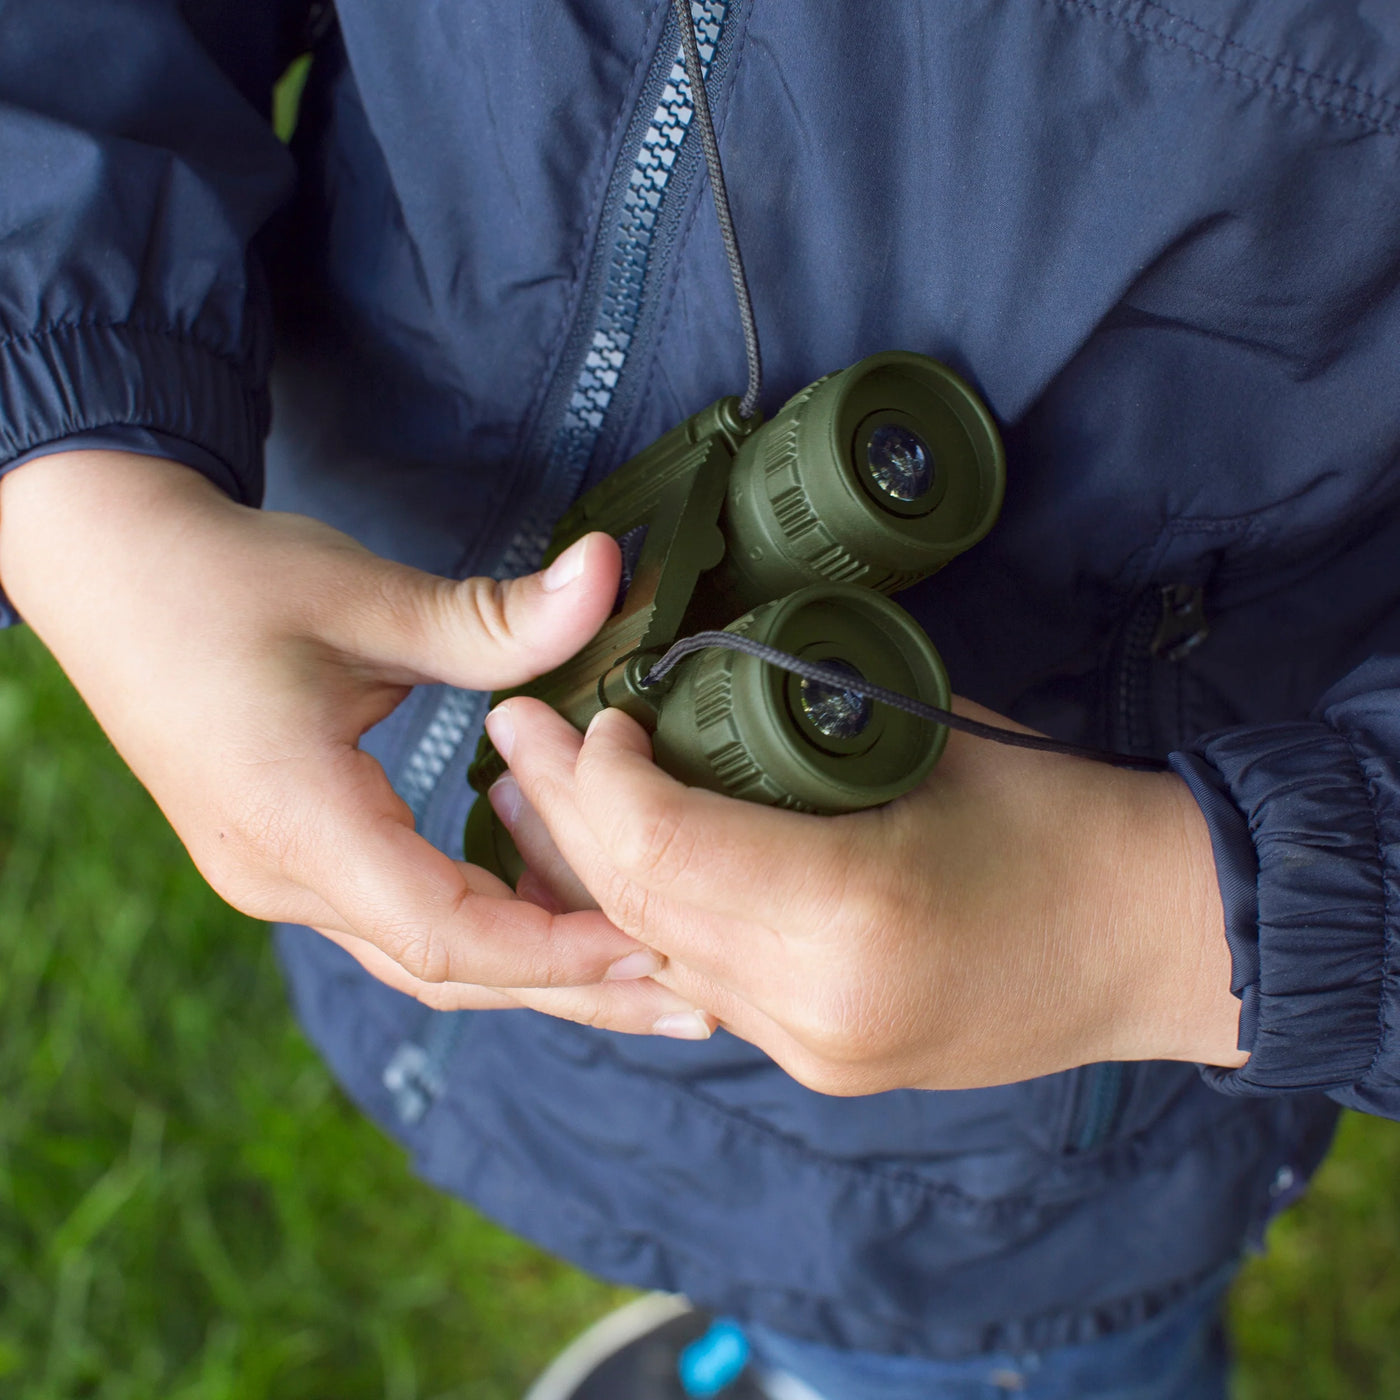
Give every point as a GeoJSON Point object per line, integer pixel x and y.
{"type": "Point", "coordinates": [504, 796]}
{"type": "Point", "coordinates": [502, 731]}
{"type": "Point", "coordinates": [593, 723]}
{"type": "Point", "coordinates": [682, 1025]}
{"type": "Point", "coordinates": [642, 963]}
{"type": "Point", "coordinates": [566, 568]}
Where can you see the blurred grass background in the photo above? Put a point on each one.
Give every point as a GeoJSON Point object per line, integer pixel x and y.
{"type": "Point", "coordinates": [190, 1211]}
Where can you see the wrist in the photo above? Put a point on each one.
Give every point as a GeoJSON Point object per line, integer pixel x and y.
{"type": "Point", "coordinates": [1176, 1002]}
{"type": "Point", "coordinates": [67, 516]}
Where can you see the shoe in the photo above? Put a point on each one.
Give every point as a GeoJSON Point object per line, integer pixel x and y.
{"type": "Point", "coordinates": [655, 1348]}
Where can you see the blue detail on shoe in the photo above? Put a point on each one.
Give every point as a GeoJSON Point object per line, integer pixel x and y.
{"type": "Point", "coordinates": [714, 1361]}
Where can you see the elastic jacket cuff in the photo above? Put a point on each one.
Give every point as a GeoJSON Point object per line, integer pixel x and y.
{"type": "Point", "coordinates": [1303, 889]}
{"type": "Point", "coordinates": [76, 377]}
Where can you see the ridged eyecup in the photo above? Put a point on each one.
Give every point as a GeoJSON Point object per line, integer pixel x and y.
{"type": "Point", "coordinates": [804, 503]}
{"type": "Point", "coordinates": [737, 725]}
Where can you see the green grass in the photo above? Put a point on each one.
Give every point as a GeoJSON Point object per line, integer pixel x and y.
{"type": "Point", "coordinates": [286, 97]}
{"type": "Point", "coordinates": [190, 1211]}
{"type": "Point", "coordinates": [1318, 1318]}
{"type": "Point", "coordinates": [188, 1207]}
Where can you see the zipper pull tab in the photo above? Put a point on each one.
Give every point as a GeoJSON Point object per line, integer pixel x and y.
{"type": "Point", "coordinates": [1182, 626]}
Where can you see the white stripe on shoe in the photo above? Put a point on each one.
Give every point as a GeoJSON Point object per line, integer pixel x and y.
{"type": "Point", "coordinates": [779, 1385]}
{"type": "Point", "coordinates": [605, 1338]}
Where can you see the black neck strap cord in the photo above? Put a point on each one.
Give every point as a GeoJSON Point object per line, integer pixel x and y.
{"type": "Point", "coordinates": [840, 679]}
{"type": "Point", "coordinates": [695, 71]}
{"type": "Point", "coordinates": [824, 675]}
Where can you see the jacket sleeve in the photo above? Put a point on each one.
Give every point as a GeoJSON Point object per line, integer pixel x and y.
{"type": "Point", "coordinates": [137, 164]}
{"type": "Point", "coordinates": [1305, 821]}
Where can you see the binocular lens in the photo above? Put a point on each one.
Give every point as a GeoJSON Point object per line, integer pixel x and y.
{"type": "Point", "coordinates": [839, 714]}
{"type": "Point", "coordinates": [900, 461]}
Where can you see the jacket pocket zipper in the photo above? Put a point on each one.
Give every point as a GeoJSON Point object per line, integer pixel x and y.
{"type": "Point", "coordinates": [1097, 1106]}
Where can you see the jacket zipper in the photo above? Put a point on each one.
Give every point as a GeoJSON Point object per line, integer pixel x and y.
{"type": "Point", "coordinates": [1130, 724]}
{"type": "Point", "coordinates": [648, 186]}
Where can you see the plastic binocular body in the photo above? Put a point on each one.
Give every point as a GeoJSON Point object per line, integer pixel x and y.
{"type": "Point", "coordinates": [791, 533]}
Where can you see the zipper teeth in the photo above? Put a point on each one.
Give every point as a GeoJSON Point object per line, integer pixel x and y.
{"type": "Point", "coordinates": [1136, 643]}
{"type": "Point", "coordinates": [619, 309]}
{"type": "Point", "coordinates": [1103, 1095]}
{"type": "Point", "coordinates": [620, 305]}
{"type": "Point", "coordinates": [455, 717]}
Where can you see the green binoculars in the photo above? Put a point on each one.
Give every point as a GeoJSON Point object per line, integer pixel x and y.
{"type": "Point", "coordinates": [790, 533]}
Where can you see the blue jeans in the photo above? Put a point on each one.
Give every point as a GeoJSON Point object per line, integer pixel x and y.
{"type": "Point", "coordinates": [1178, 1355]}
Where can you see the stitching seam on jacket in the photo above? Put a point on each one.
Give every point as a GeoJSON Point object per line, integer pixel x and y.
{"type": "Point", "coordinates": [1281, 79]}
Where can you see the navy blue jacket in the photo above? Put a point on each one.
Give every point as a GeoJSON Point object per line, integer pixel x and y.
{"type": "Point", "coordinates": [1163, 239]}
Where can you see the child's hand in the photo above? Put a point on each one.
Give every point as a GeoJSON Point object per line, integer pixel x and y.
{"type": "Point", "coordinates": [235, 657]}
{"type": "Point", "coordinates": [1017, 914]}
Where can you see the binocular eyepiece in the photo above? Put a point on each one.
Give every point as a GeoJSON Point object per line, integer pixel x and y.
{"type": "Point", "coordinates": [789, 533]}
{"type": "Point", "coordinates": [738, 725]}
{"type": "Point", "coordinates": [877, 476]}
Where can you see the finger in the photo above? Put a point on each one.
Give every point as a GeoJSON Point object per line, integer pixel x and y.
{"type": "Point", "coordinates": [479, 633]}
{"type": "Point", "coordinates": [729, 949]}
{"type": "Point", "coordinates": [728, 963]}
{"type": "Point", "coordinates": [547, 865]}
{"type": "Point", "coordinates": [276, 899]}
{"type": "Point", "coordinates": [441, 996]}
{"type": "Point", "coordinates": [636, 1007]}
{"type": "Point", "coordinates": [733, 859]}
{"type": "Point", "coordinates": [390, 887]}
{"type": "Point", "coordinates": [639, 1007]}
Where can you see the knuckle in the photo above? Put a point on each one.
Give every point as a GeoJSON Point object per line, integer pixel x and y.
{"type": "Point", "coordinates": [590, 1013]}
{"type": "Point", "coordinates": [545, 972]}
{"type": "Point", "coordinates": [435, 996]}
{"type": "Point", "coordinates": [412, 602]}
{"type": "Point", "coordinates": [842, 1030]}
{"type": "Point", "coordinates": [627, 904]}
{"type": "Point", "coordinates": [653, 843]}
{"type": "Point", "coordinates": [414, 948]}
{"type": "Point", "coordinates": [840, 1077]}
{"type": "Point", "coordinates": [831, 1043]}
{"type": "Point", "coordinates": [487, 601]}
{"type": "Point", "coordinates": [543, 963]}
{"type": "Point", "coordinates": [222, 872]}
{"type": "Point", "coordinates": [559, 967]}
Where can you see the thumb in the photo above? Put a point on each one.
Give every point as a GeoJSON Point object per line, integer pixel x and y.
{"type": "Point", "coordinates": [483, 634]}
